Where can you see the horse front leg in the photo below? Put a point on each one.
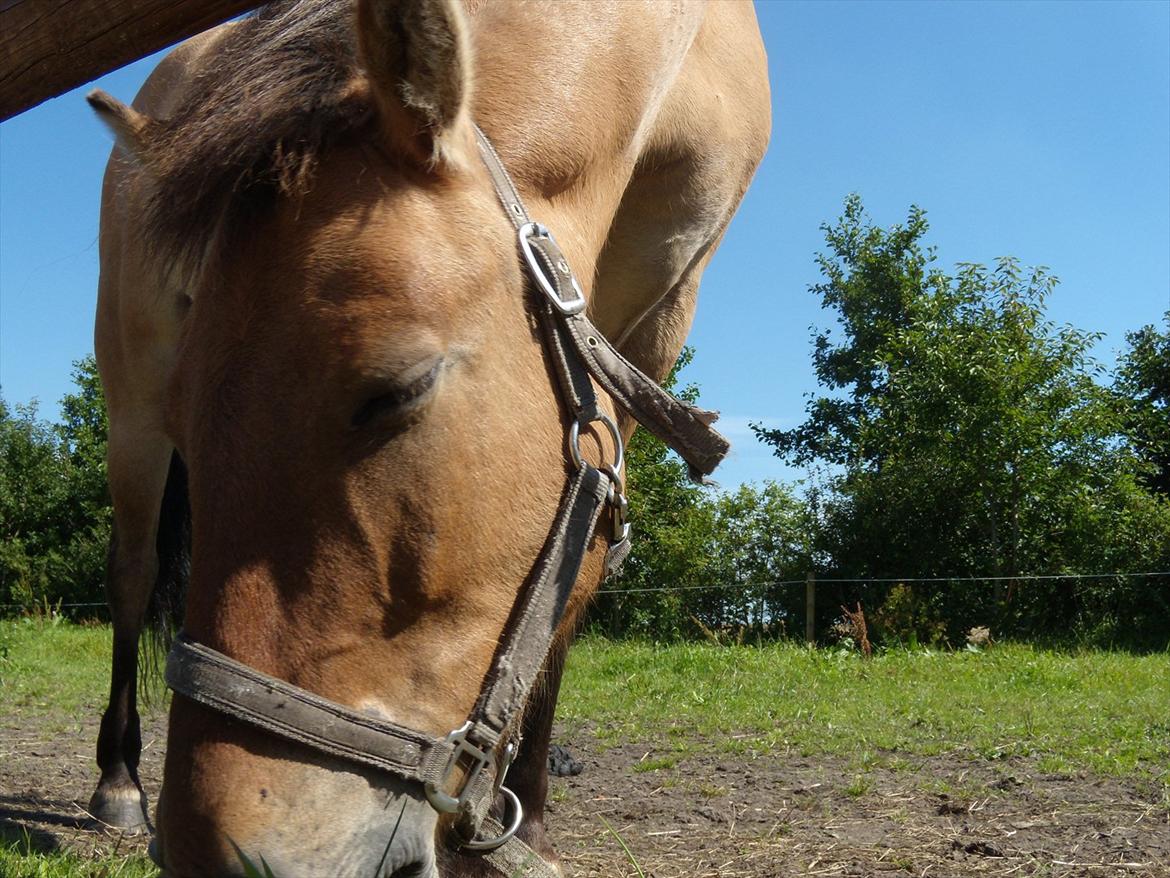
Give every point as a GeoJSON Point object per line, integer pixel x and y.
{"type": "Point", "coordinates": [528, 777]}
{"type": "Point", "coordinates": [138, 466]}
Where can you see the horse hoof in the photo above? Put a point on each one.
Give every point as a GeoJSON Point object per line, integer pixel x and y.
{"type": "Point", "coordinates": [121, 810]}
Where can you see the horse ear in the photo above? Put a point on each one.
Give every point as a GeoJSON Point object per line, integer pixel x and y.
{"type": "Point", "coordinates": [128, 125]}
{"type": "Point", "coordinates": [417, 57]}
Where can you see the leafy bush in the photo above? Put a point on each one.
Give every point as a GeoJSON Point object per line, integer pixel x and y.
{"type": "Point", "coordinates": [963, 434]}
{"type": "Point", "coordinates": [55, 514]}
{"type": "Point", "coordinates": [702, 561]}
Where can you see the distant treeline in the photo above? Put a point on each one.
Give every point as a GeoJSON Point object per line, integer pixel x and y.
{"type": "Point", "coordinates": [959, 436]}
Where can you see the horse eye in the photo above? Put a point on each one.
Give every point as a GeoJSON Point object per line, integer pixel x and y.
{"type": "Point", "coordinates": [396, 399]}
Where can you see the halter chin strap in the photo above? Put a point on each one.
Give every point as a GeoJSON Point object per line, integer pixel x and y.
{"type": "Point", "coordinates": [455, 771]}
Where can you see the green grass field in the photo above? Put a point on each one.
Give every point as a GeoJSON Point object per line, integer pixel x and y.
{"type": "Point", "coordinates": [1106, 713]}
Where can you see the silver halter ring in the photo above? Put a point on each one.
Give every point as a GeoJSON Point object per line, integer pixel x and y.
{"type": "Point", "coordinates": [575, 442]}
{"type": "Point", "coordinates": [490, 844]}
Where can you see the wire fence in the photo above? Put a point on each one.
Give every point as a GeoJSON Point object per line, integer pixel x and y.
{"type": "Point", "coordinates": [885, 579]}
{"type": "Point", "coordinates": [783, 582]}
{"type": "Point", "coordinates": [1122, 607]}
{"type": "Point", "coordinates": [932, 608]}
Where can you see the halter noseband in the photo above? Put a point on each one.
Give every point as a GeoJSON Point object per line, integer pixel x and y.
{"type": "Point", "coordinates": [454, 770]}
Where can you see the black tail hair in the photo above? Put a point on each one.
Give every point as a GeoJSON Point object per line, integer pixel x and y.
{"type": "Point", "coordinates": [164, 613]}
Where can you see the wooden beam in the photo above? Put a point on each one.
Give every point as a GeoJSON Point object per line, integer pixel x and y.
{"type": "Point", "coordinates": [50, 46]}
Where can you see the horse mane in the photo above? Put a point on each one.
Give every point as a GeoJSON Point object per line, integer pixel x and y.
{"type": "Point", "coordinates": [254, 122]}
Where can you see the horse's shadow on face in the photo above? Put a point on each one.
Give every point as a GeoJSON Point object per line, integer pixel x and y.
{"type": "Point", "coordinates": [22, 816]}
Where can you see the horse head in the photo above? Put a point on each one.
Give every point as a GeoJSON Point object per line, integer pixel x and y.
{"type": "Point", "coordinates": [374, 444]}
{"type": "Point", "coordinates": [327, 319]}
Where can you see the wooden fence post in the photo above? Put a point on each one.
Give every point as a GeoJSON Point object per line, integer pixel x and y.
{"type": "Point", "coordinates": [810, 608]}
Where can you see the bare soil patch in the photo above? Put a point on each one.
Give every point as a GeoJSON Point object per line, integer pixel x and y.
{"type": "Point", "coordinates": [768, 815]}
{"type": "Point", "coordinates": [703, 813]}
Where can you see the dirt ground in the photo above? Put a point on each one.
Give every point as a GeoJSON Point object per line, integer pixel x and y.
{"type": "Point", "coordinates": [751, 815]}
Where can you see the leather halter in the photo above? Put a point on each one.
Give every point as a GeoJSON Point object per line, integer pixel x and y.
{"type": "Point", "coordinates": [454, 770]}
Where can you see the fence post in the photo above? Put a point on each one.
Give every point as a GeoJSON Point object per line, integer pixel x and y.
{"type": "Point", "coordinates": [810, 608]}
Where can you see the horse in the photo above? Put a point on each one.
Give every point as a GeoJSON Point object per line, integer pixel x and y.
{"type": "Point", "coordinates": [326, 377]}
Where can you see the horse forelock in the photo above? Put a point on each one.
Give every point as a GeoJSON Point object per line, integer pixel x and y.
{"type": "Point", "coordinates": [253, 125]}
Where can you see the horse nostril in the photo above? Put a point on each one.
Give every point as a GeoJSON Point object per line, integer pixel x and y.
{"type": "Point", "coordinates": [423, 868]}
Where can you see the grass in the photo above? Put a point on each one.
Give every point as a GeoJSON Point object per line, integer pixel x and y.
{"type": "Point", "coordinates": [21, 857]}
{"type": "Point", "coordinates": [656, 764]}
{"type": "Point", "coordinates": [1102, 712]}
{"type": "Point", "coordinates": [625, 848]}
{"type": "Point", "coordinates": [48, 666]}
{"type": "Point", "coordinates": [51, 673]}
{"type": "Point", "coordinates": [860, 785]}
{"type": "Point", "coordinates": [50, 669]}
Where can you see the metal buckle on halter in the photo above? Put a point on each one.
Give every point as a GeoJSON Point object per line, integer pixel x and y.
{"type": "Point", "coordinates": [440, 799]}
{"type": "Point", "coordinates": [536, 268]}
{"type": "Point", "coordinates": [616, 498]}
{"type": "Point", "coordinates": [505, 764]}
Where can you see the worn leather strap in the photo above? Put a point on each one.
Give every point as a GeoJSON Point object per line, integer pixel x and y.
{"type": "Point", "coordinates": [529, 638]}
{"type": "Point", "coordinates": [514, 858]}
{"type": "Point", "coordinates": [543, 605]}
{"type": "Point", "coordinates": [214, 680]}
{"type": "Point", "coordinates": [684, 427]}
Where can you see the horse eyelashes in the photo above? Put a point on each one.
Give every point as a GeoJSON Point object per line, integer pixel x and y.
{"type": "Point", "coordinates": [395, 399]}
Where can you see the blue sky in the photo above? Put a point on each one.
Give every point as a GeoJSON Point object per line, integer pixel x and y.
{"type": "Point", "coordinates": [1036, 129]}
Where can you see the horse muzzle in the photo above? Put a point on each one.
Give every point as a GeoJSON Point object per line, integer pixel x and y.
{"type": "Point", "coordinates": [299, 825]}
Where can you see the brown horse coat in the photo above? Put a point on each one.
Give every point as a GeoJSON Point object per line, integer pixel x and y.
{"type": "Point", "coordinates": [308, 290]}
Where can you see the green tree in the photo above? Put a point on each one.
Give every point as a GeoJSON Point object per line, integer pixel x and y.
{"type": "Point", "coordinates": [670, 535]}
{"type": "Point", "coordinates": [83, 434]}
{"type": "Point", "coordinates": [963, 434]}
{"type": "Point", "coordinates": [54, 507]}
{"type": "Point", "coordinates": [29, 488]}
{"type": "Point", "coordinates": [762, 536]}
{"type": "Point", "coordinates": [699, 556]}
{"type": "Point", "coordinates": [1143, 386]}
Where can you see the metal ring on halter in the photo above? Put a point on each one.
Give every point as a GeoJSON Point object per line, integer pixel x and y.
{"type": "Point", "coordinates": [575, 442]}
{"type": "Point", "coordinates": [490, 844]}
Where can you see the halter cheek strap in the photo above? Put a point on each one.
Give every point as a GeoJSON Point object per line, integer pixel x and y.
{"type": "Point", "coordinates": [456, 770]}
{"type": "Point", "coordinates": [684, 427]}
